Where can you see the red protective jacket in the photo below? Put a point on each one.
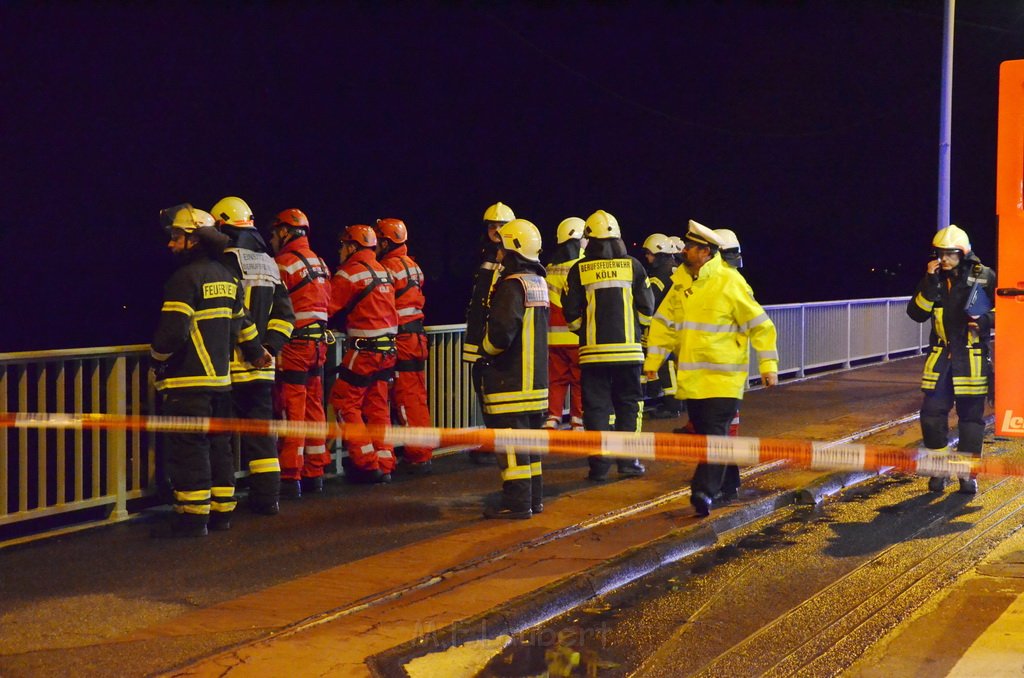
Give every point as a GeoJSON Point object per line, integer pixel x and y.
{"type": "Point", "coordinates": [408, 281]}
{"type": "Point", "coordinates": [308, 281]}
{"type": "Point", "coordinates": [363, 316]}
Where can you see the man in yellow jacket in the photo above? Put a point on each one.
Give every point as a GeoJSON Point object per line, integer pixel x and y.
{"type": "Point", "coordinates": [708, 319]}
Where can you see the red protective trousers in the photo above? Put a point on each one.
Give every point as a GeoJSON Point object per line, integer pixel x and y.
{"type": "Point", "coordinates": [360, 396]}
{"type": "Point", "coordinates": [300, 397]}
{"type": "Point", "coordinates": [409, 393]}
{"type": "Point", "coordinates": [563, 373]}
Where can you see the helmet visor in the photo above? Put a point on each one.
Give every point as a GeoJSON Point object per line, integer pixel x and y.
{"type": "Point", "coordinates": [178, 216]}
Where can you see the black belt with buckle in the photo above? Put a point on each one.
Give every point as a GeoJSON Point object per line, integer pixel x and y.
{"type": "Point", "coordinates": [384, 344]}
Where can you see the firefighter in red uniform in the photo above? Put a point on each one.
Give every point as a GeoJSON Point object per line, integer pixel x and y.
{"type": "Point", "coordinates": [563, 344]}
{"type": "Point", "coordinates": [300, 365]}
{"type": "Point", "coordinates": [363, 300]}
{"type": "Point", "coordinates": [201, 320]}
{"type": "Point", "coordinates": [267, 303]}
{"type": "Point", "coordinates": [409, 392]}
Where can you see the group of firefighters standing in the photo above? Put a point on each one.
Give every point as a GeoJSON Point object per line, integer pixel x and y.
{"type": "Point", "coordinates": [600, 326]}
{"type": "Point", "coordinates": [246, 334]}
{"type": "Point", "coordinates": [243, 332]}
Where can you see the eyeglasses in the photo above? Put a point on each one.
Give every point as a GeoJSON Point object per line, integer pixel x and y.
{"type": "Point", "coordinates": [938, 254]}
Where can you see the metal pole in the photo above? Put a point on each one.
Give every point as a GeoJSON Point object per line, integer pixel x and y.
{"type": "Point", "coordinates": [946, 105]}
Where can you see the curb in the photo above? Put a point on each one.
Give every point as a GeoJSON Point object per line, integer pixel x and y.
{"type": "Point", "coordinates": [536, 608]}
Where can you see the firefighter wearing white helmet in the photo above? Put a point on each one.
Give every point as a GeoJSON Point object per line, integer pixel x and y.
{"type": "Point", "coordinates": [607, 304]}
{"type": "Point", "coordinates": [479, 300]}
{"type": "Point", "coordinates": [956, 295]}
{"type": "Point", "coordinates": [677, 248]}
{"type": "Point", "coordinates": [201, 319]}
{"type": "Point", "coordinates": [660, 264]}
{"type": "Point", "coordinates": [270, 308]}
{"type": "Point", "coordinates": [513, 365]}
{"type": "Point", "coordinates": [730, 247]}
{"type": "Point", "coordinates": [563, 344]}
{"type": "Point", "coordinates": [709, 319]}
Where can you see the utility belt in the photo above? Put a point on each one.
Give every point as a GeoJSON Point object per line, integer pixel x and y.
{"type": "Point", "coordinates": [412, 327]}
{"type": "Point", "coordinates": [313, 332]}
{"type": "Point", "coordinates": [381, 344]}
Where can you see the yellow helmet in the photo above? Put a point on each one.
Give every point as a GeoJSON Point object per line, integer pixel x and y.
{"type": "Point", "coordinates": [569, 229]}
{"type": "Point", "coordinates": [952, 238]}
{"type": "Point", "coordinates": [601, 224]}
{"type": "Point", "coordinates": [185, 218]}
{"type": "Point", "coordinates": [677, 243]}
{"type": "Point", "coordinates": [232, 211]}
{"type": "Point", "coordinates": [657, 243]}
{"type": "Point", "coordinates": [499, 212]}
{"type": "Point", "coordinates": [520, 235]}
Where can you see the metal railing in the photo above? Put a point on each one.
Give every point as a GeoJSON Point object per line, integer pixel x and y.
{"type": "Point", "coordinates": [837, 334]}
{"type": "Point", "coordinates": [46, 473]}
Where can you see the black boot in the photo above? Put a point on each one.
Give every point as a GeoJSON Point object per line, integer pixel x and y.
{"type": "Point", "coordinates": [291, 489]}
{"type": "Point", "coordinates": [312, 485]}
{"type": "Point", "coordinates": [220, 521]}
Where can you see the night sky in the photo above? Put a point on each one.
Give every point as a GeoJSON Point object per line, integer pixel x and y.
{"type": "Point", "coordinates": [809, 128]}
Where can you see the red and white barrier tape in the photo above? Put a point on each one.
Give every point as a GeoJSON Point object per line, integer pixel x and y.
{"type": "Point", "coordinates": [661, 446]}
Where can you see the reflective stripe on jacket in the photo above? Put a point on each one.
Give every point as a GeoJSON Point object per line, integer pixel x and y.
{"type": "Point", "coordinates": [515, 377]}
{"type": "Point", "coordinates": [557, 277]}
{"type": "Point", "coordinates": [476, 312]}
{"type": "Point", "coordinates": [308, 281]}
{"type": "Point", "coordinates": [607, 303]}
{"type": "Point", "coordinates": [710, 323]}
{"type": "Point", "coordinates": [375, 314]}
{"type": "Point", "coordinates": [408, 278]}
{"type": "Point", "coordinates": [269, 307]}
{"type": "Point", "coordinates": [201, 319]}
{"type": "Point", "coordinates": [954, 344]}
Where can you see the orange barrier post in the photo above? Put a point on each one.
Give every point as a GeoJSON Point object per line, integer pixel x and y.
{"type": "Point", "coordinates": [1009, 353]}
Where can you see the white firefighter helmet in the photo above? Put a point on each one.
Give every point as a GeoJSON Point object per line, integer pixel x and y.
{"type": "Point", "coordinates": [657, 243]}
{"type": "Point", "coordinates": [952, 238]}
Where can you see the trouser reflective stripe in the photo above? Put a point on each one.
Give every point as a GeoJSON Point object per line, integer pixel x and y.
{"type": "Point", "coordinates": [521, 487]}
{"type": "Point", "coordinates": [264, 466]}
{"type": "Point", "coordinates": [192, 501]}
{"type": "Point", "coordinates": [223, 499]}
{"type": "Point", "coordinates": [611, 391]}
{"type": "Point", "coordinates": [300, 397]}
{"type": "Point", "coordinates": [358, 405]}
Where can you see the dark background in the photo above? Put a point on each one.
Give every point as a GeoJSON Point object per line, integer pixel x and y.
{"type": "Point", "coordinates": [809, 128]}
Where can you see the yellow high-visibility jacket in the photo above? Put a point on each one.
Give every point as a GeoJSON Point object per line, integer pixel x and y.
{"type": "Point", "coordinates": [559, 333]}
{"type": "Point", "coordinates": [709, 324]}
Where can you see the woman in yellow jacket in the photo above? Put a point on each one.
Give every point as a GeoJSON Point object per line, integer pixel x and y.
{"type": "Point", "coordinates": [709, 319]}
